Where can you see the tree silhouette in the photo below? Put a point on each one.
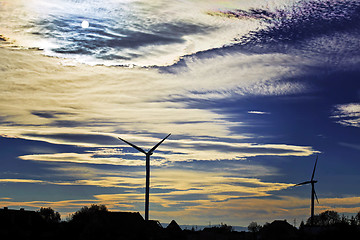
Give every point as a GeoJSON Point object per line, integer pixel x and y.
{"type": "Point", "coordinates": [223, 228]}
{"type": "Point", "coordinates": [357, 219]}
{"type": "Point", "coordinates": [326, 218]}
{"type": "Point", "coordinates": [254, 227]}
{"type": "Point", "coordinates": [49, 215]}
{"type": "Point", "coordinates": [85, 212]}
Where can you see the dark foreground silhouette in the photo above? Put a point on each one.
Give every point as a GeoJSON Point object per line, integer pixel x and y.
{"type": "Point", "coordinates": [96, 222]}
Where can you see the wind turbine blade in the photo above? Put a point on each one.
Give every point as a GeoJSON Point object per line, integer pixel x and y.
{"type": "Point", "coordinates": [134, 146]}
{"type": "Point", "coordinates": [312, 177]}
{"type": "Point", "coordinates": [153, 149]}
{"type": "Point", "coordinates": [316, 197]}
{"type": "Point", "coordinates": [303, 183]}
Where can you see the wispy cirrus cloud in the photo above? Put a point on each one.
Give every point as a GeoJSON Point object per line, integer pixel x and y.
{"type": "Point", "coordinates": [80, 158]}
{"type": "Point", "coordinates": [176, 151]}
{"type": "Point", "coordinates": [347, 114]}
{"type": "Point", "coordinates": [350, 145]}
{"type": "Point", "coordinates": [251, 75]}
{"type": "Point", "coordinates": [258, 112]}
{"type": "Point", "coordinates": [91, 107]}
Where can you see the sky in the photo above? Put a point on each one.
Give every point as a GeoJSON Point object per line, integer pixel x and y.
{"type": "Point", "coordinates": [252, 93]}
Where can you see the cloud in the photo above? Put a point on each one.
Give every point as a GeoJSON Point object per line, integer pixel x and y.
{"type": "Point", "coordinates": [217, 150]}
{"type": "Point", "coordinates": [258, 112]}
{"type": "Point", "coordinates": [245, 169]}
{"type": "Point", "coordinates": [169, 32]}
{"type": "Point", "coordinates": [176, 151]}
{"type": "Point", "coordinates": [79, 139]}
{"type": "Point", "coordinates": [210, 183]}
{"type": "Point", "coordinates": [92, 106]}
{"type": "Point", "coordinates": [240, 74]}
{"type": "Point", "coordinates": [93, 101]}
{"type": "Point", "coordinates": [129, 183]}
{"type": "Point", "coordinates": [350, 145]}
{"type": "Point", "coordinates": [21, 181]}
{"type": "Point", "coordinates": [178, 187]}
{"type": "Point", "coordinates": [80, 158]}
{"type": "Point", "coordinates": [172, 183]}
{"type": "Point", "coordinates": [347, 114]}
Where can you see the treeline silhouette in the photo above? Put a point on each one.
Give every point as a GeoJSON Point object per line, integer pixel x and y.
{"type": "Point", "coordinates": [97, 222]}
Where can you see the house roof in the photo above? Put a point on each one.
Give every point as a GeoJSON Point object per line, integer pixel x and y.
{"type": "Point", "coordinates": [174, 227]}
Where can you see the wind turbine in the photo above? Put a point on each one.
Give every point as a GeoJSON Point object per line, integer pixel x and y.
{"type": "Point", "coordinates": [148, 154]}
{"type": "Point", "coordinates": [313, 193]}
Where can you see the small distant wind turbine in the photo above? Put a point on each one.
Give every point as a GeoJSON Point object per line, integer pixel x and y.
{"type": "Point", "coordinates": [313, 193]}
{"type": "Point", "coordinates": [148, 154]}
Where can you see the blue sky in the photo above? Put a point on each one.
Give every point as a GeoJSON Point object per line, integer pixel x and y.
{"type": "Point", "coordinates": [250, 99]}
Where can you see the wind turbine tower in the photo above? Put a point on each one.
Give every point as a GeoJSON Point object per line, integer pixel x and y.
{"type": "Point", "coordinates": [313, 193]}
{"type": "Point", "coordinates": [147, 154]}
